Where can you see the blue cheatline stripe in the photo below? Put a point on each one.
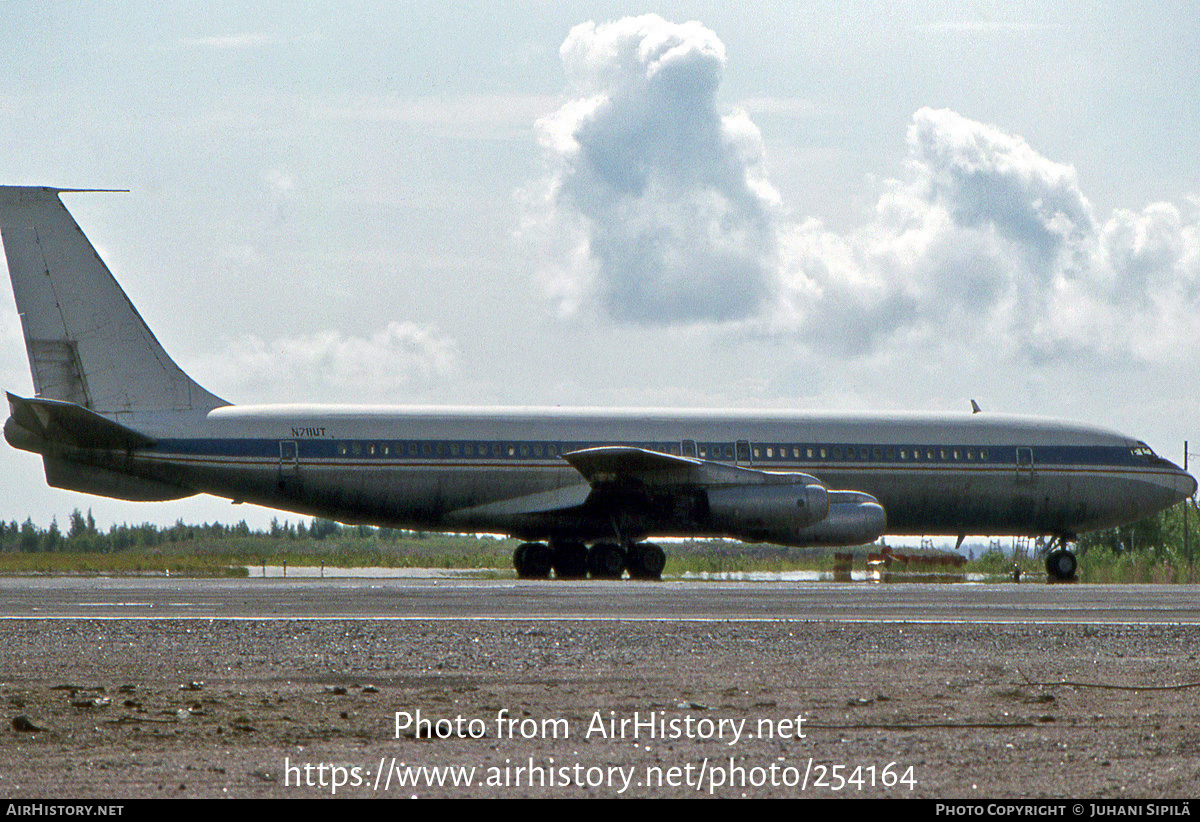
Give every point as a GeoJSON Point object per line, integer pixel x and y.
{"type": "Point", "coordinates": [836, 454]}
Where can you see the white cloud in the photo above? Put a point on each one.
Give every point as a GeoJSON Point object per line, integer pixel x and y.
{"type": "Point", "coordinates": [247, 40]}
{"type": "Point", "coordinates": [989, 242]}
{"type": "Point", "coordinates": [388, 366]}
{"type": "Point", "coordinates": [656, 210]}
{"type": "Point", "coordinates": [655, 205]}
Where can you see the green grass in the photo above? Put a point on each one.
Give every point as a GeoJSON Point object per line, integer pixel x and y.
{"type": "Point", "coordinates": [231, 556]}
{"type": "Point", "coordinates": [124, 563]}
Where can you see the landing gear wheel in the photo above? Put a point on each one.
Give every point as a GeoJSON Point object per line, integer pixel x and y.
{"type": "Point", "coordinates": [646, 561]}
{"type": "Point", "coordinates": [532, 560]}
{"type": "Point", "coordinates": [570, 560]}
{"type": "Point", "coordinates": [1061, 564]}
{"type": "Point", "coordinates": [606, 560]}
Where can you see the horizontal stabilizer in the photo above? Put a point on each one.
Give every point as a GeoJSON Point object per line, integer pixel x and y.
{"type": "Point", "coordinates": [46, 422]}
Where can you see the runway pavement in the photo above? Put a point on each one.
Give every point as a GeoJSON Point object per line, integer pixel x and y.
{"type": "Point", "coordinates": [339, 598]}
{"type": "Point", "coordinates": [150, 687]}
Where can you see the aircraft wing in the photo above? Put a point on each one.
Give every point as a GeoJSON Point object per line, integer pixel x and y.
{"type": "Point", "coordinates": [546, 502]}
{"type": "Point", "coordinates": [790, 508]}
{"type": "Point", "coordinates": [625, 464]}
{"type": "Point", "coordinates": [615, 474]}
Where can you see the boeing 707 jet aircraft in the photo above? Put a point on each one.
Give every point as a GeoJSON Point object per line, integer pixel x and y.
{"type": "Point", "coordinates": [113, 415]}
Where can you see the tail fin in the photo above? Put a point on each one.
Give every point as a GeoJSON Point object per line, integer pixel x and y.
{"type": "Point", "coordinates": [87, 344]}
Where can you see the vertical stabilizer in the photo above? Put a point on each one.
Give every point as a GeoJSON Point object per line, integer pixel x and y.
{"type": "Point", "coordinates": [87, 344]}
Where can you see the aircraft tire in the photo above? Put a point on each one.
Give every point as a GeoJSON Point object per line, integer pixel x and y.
{"type": "Point", "coordinates": [570, 560]}
{"type": "Point", "coordinates": [1061, 564]}
{"type": "Point", "coordinates": [606, 560]}
{"type": "Point", "coordinates": [646, 561]}
{"type": "Point", "coordinates": [533, 560]}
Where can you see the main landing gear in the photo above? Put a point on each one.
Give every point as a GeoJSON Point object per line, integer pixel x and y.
{"type": "Point", "coordinates": [573, 560]}
{"type": "Point", "coordinates": [1060, 561]}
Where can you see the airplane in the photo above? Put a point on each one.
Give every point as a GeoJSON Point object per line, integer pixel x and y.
{"type": "Point", "coordinates": [113, 415]}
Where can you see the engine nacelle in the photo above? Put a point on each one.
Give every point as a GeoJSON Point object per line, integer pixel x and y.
{"type": "Point", "coordinates": [854, 518]}
{"type": "Point", "coordinates": [767, 513]}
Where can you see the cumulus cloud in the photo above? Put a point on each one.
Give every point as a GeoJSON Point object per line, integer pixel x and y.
{"type": "Point", "coordinates": [987, 240]}
{"type": "Point", "coordinates": [655, 204]}
{"type": "Point", "coordinates": [657, 210]}
{"type": "Point", "coordinates": [388, 366]}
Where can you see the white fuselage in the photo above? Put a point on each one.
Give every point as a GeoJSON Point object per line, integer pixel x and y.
{"type": "Point", "coordinates": [452, 468]}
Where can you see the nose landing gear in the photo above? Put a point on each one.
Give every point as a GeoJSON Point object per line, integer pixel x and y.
{"type": "Point", "coordinates": [1061, 563]}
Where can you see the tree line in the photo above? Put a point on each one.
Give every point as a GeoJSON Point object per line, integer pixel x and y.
{"type": "Point", "coordinates": [82, 535]}
{"type": "Point", "coordinates": [1173, 535]}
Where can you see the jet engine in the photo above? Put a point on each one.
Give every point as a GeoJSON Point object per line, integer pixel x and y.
{"type": "Point", "coordinates": [795, 514]}
{"type": "Point", "coordinates": [773, 513]}
{"type": "Point", "coordinates": [854, 518]}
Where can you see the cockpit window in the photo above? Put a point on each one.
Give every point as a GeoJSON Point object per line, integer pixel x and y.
{"type": "Point", "coordinates": [1143, 451]}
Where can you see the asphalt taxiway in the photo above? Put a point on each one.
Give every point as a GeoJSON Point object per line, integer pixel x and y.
{"type": "Point", "coordinates": [342, 598]}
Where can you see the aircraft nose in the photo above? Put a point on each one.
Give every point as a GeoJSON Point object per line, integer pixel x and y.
{"type": "Point", "coordinates": [1185, 485]}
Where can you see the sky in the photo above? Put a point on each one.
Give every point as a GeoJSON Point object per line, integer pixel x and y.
{"type": "Point", "coordinates": [824, 205]}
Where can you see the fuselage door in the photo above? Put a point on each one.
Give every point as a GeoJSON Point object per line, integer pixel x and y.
{"type": "Point", "coordinates": [1024, 464]}
{"type": "Point", "coordinates": [689, 448]}
{"type": "Point", "coordinates": [289, 456]}
{"type": "Point", "coordinates": [743, 452]}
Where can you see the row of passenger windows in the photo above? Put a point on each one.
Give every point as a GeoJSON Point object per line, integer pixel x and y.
{"type": "Point", "coordinates": [445, 449]}
{"type": "Point", "coordinates": [715, 451]}
{"type": "Point", "coordinates": [863, 452]}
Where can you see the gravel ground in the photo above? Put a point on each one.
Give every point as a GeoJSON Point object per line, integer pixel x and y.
{"type": "Point", "coordinates": [277, 708]}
